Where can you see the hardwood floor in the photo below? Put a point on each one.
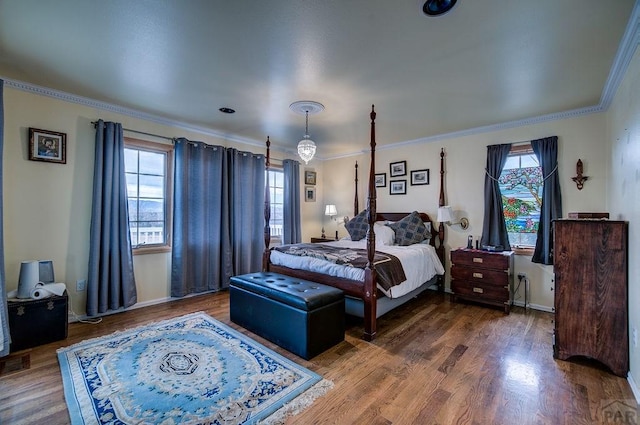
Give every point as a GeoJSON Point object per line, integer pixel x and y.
{"type": "Point", "coordinates": [436, 362]}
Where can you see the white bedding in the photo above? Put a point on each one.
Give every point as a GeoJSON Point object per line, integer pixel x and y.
{"type": "Point", "coordinates": [420, 263]}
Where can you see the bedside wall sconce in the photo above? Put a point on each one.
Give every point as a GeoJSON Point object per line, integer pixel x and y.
{"type": "Point", "coordinates": [579, 178]}
{"type": "Point", "coordinates": [445, 215]}
{"type": "Point", "coordinates": [331, 211]}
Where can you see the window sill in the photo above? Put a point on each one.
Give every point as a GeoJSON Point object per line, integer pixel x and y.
{"type": "Point", "coordinates": [151, 250]}
{"type": "Point", "coordinates": [523, 251]}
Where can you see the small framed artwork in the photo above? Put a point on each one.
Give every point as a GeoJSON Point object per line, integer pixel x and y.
{"type": "Point", "coordinates": [310, 177]}
{"type": "Point", "coordinates": [419, 177]}
{"type": "Point", "coordinates": [398, 187]}
{"type": "Point", "coordinates": [310, 194]}
{"type": "Point", "coordinates": [398, 169]}
{"type": "Point", "coordinates": [49, 146]}
{"type": "Point", "coordinates": [381, 180]}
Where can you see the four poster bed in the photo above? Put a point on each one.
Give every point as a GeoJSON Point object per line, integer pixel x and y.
{"type": "Point", "coordinates": [377, 277]}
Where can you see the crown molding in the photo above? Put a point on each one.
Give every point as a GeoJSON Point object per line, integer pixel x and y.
{"type": "Point", "coordinates": [626, 50]}
{"type": "Point", "coordinates": [129, 112]}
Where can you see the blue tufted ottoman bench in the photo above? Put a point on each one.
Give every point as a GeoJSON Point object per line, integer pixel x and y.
{"type": "Point", "coordinates": [303, 317]}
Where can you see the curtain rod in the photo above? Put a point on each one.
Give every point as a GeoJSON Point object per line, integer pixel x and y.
{"type": "Point", "coordinates": [148, 134]}
{"type": "Point", "coordinates": [141, 132]}
{"type": "Point", "coordinates": [172, 139]}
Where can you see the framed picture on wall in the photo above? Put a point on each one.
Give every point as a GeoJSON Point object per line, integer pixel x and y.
{"type": "Point", "coordinates": [419, 177]}
{"type": "Point", "coordinates": [310, 178]}
{"type": "Point", "coordinates": [49, 146]}
{"type": "Point", "coordinates": [310, 194]}
{"type": "Point", "coordinates": [398, 169]}
{"type": "Point", "coordinates": [398, 187]}
{"type": "Point", "coordinates": [381, 180]}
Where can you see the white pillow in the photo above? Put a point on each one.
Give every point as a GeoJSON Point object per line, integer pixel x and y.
{"type": "Point", "coordinates": [384, 234]}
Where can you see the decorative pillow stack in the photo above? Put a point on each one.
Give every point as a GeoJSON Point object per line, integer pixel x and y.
{"type": "Point", "coordinates": [358, 226]}
{"type": "Point", "coordinates": [410, 230]}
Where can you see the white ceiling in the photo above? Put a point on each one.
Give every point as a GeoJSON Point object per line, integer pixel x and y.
{"type": "Point", "coordinates": [485, 63]}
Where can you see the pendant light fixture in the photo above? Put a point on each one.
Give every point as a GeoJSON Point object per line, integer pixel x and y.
{"type": "Point", "coordinates": [306, 146]}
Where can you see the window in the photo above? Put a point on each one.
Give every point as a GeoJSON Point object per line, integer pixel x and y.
{"type": "Point", "coordinates": [148, 172]}
{"type": "Point", "coordinates": [521, 186]}
{"type": "Point", "coordinates": [276, 195]}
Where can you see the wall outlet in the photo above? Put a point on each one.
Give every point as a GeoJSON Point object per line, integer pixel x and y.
{"type": "Point", "coordinates": [521, 276]}
{"type": "Point", "coordinates": [635, 337]}
{"type": "Point", "coordinates": [81, 285]}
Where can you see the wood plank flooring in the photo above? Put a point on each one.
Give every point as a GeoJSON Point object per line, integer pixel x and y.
{"type": "Point", "coordinates": [433, 362]}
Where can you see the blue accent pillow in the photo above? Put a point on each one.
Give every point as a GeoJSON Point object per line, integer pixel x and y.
{"type": "Point", "coordinates": [358, 226]}
{"type": "Point", "coordinates": [410, 230]}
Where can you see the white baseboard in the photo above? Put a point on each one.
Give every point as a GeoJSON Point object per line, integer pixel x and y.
{"type": "Point", "coordinates": [535, 306]}
{"type": "Point", "coordinates": [76, 318]}
{"type": "Point", "coordinates": [521, 304]}
{"type": "Point", "coordinates": [634, 387]}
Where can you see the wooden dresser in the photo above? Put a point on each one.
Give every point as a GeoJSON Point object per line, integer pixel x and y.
{"type": "Point", "coordinates": [483, 276]}
{"type": "Point", "coordinates": [590, 266]}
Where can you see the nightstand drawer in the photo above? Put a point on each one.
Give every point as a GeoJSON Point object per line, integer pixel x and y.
{"type": "Point", "coordinates": [481, 290]}
{"type": "Point", "coordinates": [481, 258]}
{"type": "Point", "coordinates": [486, 276]}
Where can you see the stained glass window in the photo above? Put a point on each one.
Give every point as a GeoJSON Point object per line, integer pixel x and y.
{"type": "Point", "coordinates": [521, 186]}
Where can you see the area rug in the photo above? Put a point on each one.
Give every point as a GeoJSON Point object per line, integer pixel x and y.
{"type": "Point", "coordinates": [187, 370]}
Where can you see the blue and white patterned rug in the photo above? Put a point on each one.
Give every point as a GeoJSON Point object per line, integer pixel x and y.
{"type": "Point", "coordinates": [187, 370]}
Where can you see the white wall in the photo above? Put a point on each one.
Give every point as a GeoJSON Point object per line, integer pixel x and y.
{"type": "Point", "coordinates": [623, 135]}
{"type": "Point", "coordinates": [47, 206]}
{"type": "Point", "coordinates": [579, 138]}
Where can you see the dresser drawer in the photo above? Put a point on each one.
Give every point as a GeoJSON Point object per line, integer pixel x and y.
{"type": "Point", "coordinates": [486, 276]}
{"type": "Point", "coordinates": [483, 259]}
{"type": "Point", "coordinates": [483, 291]}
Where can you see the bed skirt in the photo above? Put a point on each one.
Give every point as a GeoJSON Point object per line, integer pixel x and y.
{"type": "Point", "coordinates": [355, 306]}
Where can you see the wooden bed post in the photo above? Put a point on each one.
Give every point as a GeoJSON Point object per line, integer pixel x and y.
{"type": "Point", "coordinates": [267, 211]}
{"type": "Point", "coordinates": [440, 247]}
{"type": "Point", "coordinates": [370, 288]}
{"type": "Point", "coordinates": [356, 208]}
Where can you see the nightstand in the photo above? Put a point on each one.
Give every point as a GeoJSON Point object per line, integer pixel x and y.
{"type": "Point", "coordinates": [483, 276]}
{"type": "Point", "coordinates": [318, 240]}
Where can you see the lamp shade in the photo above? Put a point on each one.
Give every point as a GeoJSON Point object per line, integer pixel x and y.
{"type": "Point", "coordinates": [330, 210]}
{"type": "Point", "coordinates": [445, 214]}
